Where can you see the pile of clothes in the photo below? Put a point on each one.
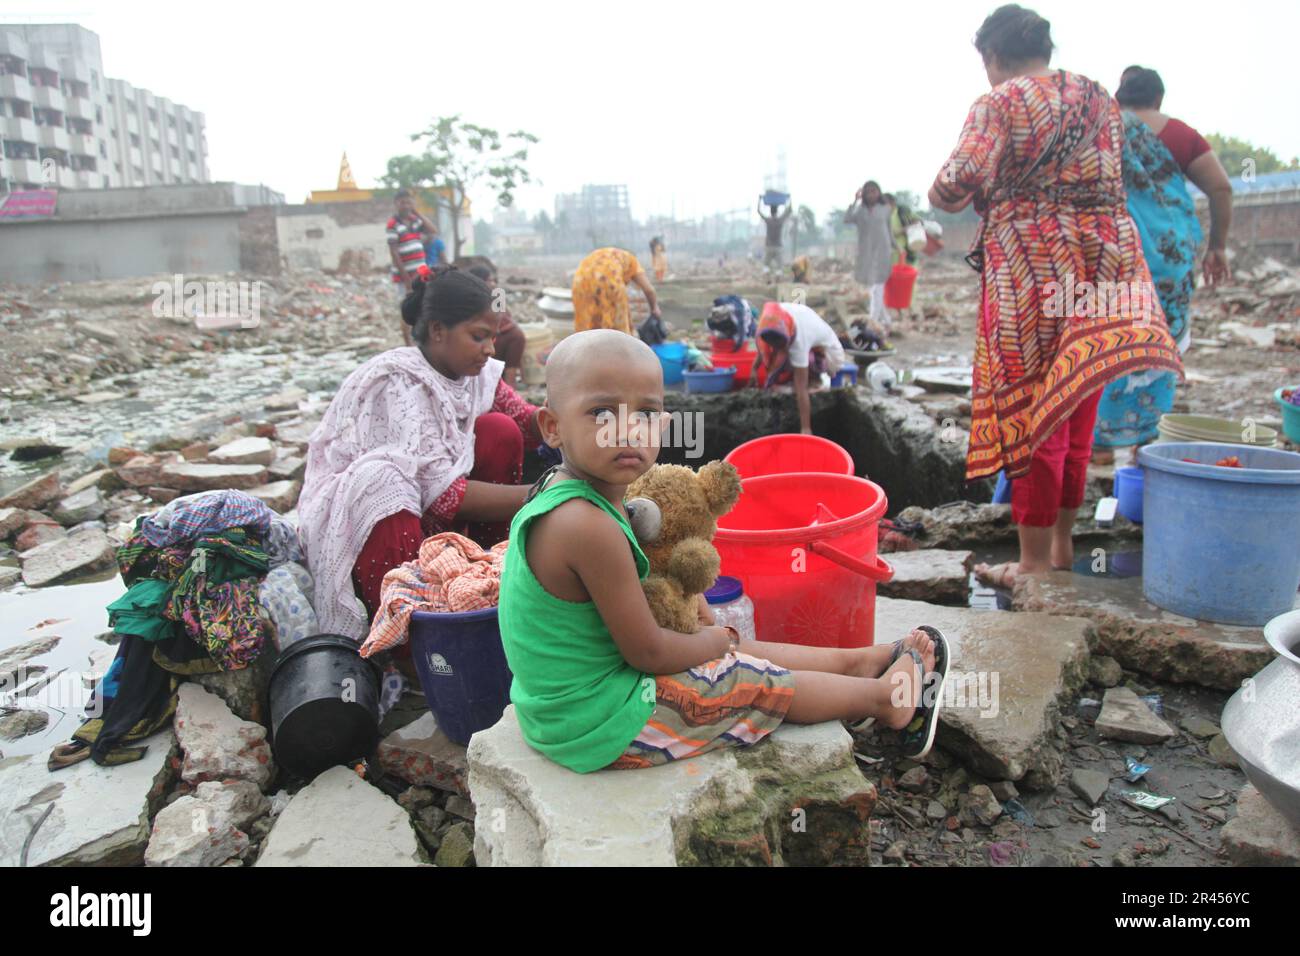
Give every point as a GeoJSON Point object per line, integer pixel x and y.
{"type": "Point", "coordinates": [451, 574]}
{"type": "Point", "coordinates": [212, 580]}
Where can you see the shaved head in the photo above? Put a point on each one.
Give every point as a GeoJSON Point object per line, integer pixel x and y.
{"type": "Point", "coordinates": [581, 358]}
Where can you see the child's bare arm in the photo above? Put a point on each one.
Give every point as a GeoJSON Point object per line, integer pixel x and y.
{"type": "Point", "coordinates": [601, 559]}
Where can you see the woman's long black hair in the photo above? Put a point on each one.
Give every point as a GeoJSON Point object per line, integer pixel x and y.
{"type": "Point", "coordinates": [447, 296]}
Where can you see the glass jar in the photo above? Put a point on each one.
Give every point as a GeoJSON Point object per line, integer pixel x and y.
{"type": "Point", "coordinates": [730, 606]}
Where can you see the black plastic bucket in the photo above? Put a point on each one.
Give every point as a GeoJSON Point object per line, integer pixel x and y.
{"type": "Point", "coordinates": [324, 705]}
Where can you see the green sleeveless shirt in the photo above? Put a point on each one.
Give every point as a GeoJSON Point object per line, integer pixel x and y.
{"type": "Point", "coordinates": [577, 700]}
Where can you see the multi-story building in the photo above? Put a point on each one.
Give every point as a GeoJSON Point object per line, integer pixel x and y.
{"type": "Point", "coordinates": [599, 214]}
{"type": "Point", "coordinates": [64, 124]}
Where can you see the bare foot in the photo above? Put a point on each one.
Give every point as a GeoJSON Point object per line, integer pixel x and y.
{"type": "Point", "coordinates": [1103, 456]}
{"type": "Point", "coordinates": [998, 575]}
{"type": "Point", "coordinates": [871, 661]}
{"type": "Point", "coordinates": [903, 681]}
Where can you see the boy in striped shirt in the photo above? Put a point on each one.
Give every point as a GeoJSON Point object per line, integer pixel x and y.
{"type": "Point", "coordinates": [406, 234]}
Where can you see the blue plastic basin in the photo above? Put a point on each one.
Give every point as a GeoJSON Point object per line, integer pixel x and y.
{"type": "Point", "coordinates": [1221, 544]}
{"type": "Point", "coordinates": [672, 356]}
{"type": "Point", "coordinates": [716, 380]}
{"type": "Point", "coordinates": [1128, 489]}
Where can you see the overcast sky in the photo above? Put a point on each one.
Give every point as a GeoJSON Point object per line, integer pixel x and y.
{"type": "Point", "coordinates": [688, 103]}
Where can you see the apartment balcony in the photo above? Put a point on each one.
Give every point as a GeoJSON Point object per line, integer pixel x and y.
{"type": "Point", "coordinates": [11, 44]}
{"type": "Point", "coordinates": [77, 70]}
{"type": "Point", "coordinates": [19, 129]}
{"type": "Point", "coordinates": [172, 138]}
{"type": "Point", "coordinates": [22, 171]}
{"type": "Point", "coordinates": [136, 157]}
{"type": "Point", "coordinates": [82, 144]}
{"type": "Point", "coordinates": [13, 86]}
{"type": "Point", "coordinates": [80, 107]}
{"type": "Point", "coordinates": [49, 97]}
{"type": "Point", "coordinates": [88, 179]}
{"type": "Point", "coordinates": [54, 137]}
{"type": "Point", "coordinates": [132, 123]}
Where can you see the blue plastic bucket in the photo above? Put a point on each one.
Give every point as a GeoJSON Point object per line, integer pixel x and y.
{"type": "Point", "coordinates": [672, 356]}
{"type": "Point", "coordinates": [462, 668]}
{"type": "Point", "coordinates": [1221, 544]}
{"type": "Point", "coordinates": [1128, 489]}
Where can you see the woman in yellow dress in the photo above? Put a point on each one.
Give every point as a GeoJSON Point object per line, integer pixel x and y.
{"type": "Point", "coordinates": [600, 291]}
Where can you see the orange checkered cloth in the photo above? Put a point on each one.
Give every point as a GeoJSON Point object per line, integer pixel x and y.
{"type": "Point", "coordinates": [451, 573]}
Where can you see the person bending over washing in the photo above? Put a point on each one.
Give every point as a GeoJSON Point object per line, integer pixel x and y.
{"type": "Point", "coordinates": [417, 441]}
{"type": "Point", "coordinates": [794, 345]}
{"type": "Point", "coordinates": [597, 683]}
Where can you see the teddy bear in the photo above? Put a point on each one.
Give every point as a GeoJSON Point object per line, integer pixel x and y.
{"type": "Point", "coordinates": [673, 512]}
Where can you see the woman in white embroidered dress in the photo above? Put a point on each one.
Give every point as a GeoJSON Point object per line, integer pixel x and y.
{"type": "Point", "coordinates": [418, 440]}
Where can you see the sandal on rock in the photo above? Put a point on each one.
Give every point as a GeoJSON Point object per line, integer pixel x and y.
{"type": "Point", "coordinates": [65, 755]}
{"type": "Point", "coordinates": [918, 736]}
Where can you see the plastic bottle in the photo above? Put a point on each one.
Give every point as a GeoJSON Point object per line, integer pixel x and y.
{"type": "Point", "coordinates": [729, 605]}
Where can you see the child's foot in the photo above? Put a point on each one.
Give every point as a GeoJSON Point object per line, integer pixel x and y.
{"type": "Point", "coordinates": [905, 679]}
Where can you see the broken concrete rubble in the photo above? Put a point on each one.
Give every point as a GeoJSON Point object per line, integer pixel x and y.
{"type": "Point", "coordinates": [191, 476]}
{"type": "Point", "coordinates": [728, 807]}
{"type": "Point", "coordinates": [1009, 678]}
{"type": "Point", "coordinates": [1146, 638]}
{"type": "Point", "coordinates": [1125, 716]}
{"type": "Point", "coordinates": [422, 755]}
{"type": "Point", "coordinates": [931, 574]}
{"type": "Point", "coordinates": [75, 556]}
{"type": "Point", "coordinates": [100, 816]}
{"type": "Point", "coordinates": [206, 828]}
{"type": "Point", "coordinates": [340, 820]}
{"type": "Point", "coordinates": [218, 745]}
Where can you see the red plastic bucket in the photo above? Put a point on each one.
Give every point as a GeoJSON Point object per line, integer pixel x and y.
{"type": "Point", "coordinates": [898, 288]}
{"type": "Point", "coordinates": [742, 359]}
{"type": "Point", "coordinates": [788, 454]}
{"type": "Point", "coordinates": [811, 573]}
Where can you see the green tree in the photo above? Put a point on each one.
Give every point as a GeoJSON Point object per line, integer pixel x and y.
{"type": "Point", "coordinates": [455, 157]}
{"type": "Point", "coordinates": [836, 227]}
{"type": "Point", "coordinates": [1240, 157]}
{"type": "Point", "coordinates": [545, 228]}
{"type": "Point", "coordinates": [806, 223]}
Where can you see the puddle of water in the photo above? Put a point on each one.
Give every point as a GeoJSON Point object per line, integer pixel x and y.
{"type": "Point", "coordinates": [79, 616]}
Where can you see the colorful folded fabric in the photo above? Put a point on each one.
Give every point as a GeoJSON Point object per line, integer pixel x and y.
{"type": "Point", "coordinates": [451, 574]}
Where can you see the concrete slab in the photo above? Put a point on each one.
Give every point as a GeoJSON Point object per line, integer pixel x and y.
{"type": "Point", "coordinates": [100, 815]}
{"type": "Point", "coordinates": [796, 798]}
{"type": "Point", "coordinates": [1259, 835]}
{"type": "Point", "coordinates": [1126, 716]}
{"type": "Point", "coordinates": [1146, 638]}
{"type": "Point", "coordinates": [340, 820]}
{"type": "Point", "coordinates": [1009, 675]}
{"type": "Point", "coordinates": [931, 574]}
{"type": "Point", "coordinates": [244, 451]}
{"type": "Point", "coordinates": [71, 557]}
{"type": "Point", "coordinates": [191, 476]}
{"type": "Point", "coordinates": [422, 755]}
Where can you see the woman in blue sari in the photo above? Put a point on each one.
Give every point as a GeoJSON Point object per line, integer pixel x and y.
{"type": "Point", "coordinates": [1160, 155]}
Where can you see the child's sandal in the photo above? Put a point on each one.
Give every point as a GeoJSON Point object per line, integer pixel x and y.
{"type": "Point", "coordinates": [918, 735]}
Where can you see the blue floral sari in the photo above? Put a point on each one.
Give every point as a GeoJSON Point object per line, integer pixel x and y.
{"type": "Point", "coordinates": [1161, 206]}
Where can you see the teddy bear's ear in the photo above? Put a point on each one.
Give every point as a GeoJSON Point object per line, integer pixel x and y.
{"type": "Point", "coordinates": [721, 483]}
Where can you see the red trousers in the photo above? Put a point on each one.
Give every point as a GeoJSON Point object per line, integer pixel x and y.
{"type": "Point", "coordinates": [1058, 471]}
{"type": "Point", "coordinates": [498, 459]}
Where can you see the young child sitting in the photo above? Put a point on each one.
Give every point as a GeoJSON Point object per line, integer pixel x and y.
{"type": "Point", "coordinates": [597, 683]}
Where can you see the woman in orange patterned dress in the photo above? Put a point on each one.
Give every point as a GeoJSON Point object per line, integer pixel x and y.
{"type": "Point", "coordinates": [600, 291]}
{"type": "Point", "coordinates": [1068, 305]}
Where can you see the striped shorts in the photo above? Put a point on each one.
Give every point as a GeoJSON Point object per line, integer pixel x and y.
{"type": "Point", "coordinates": [734, 701]}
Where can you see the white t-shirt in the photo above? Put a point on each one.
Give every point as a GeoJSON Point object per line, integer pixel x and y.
{"type": "Point", "coordinates": [812, 331]}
